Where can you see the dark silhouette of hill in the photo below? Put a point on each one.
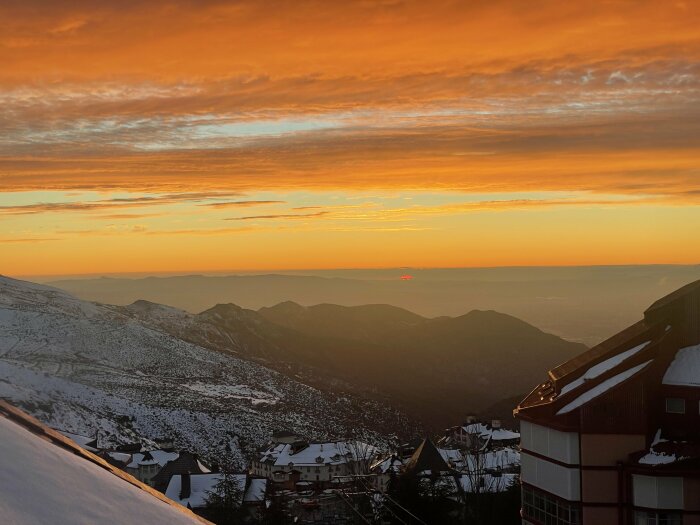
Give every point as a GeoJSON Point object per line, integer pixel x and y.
{"type": "Point", "coordinates": [362, 323]}
{"type": "Point", "coordinates": [434, 369]}
{"type": "Point", "coordinates": [585, 304]}
{"type": "Point", "coordinates": [434, 366]}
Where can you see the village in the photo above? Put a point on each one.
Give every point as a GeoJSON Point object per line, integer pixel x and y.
{"type": "Point", "coordinates": [470, 468]}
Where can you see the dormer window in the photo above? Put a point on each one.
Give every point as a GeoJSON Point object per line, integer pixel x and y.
{"type": "Point", "coordinates": [675, 405]}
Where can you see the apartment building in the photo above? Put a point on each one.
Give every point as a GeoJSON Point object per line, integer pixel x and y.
{"type": "Point", "coordinates": [613, 435]}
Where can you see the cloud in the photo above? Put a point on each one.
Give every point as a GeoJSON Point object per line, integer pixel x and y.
{"type": "Point", "coordinates": [113, 203]}
{"type": "Point", "coordinates": [292, 216]}
{"type": "Point", "coordinates": [27, 240]}
{"type": "Point", "coordinates": [240, 204]}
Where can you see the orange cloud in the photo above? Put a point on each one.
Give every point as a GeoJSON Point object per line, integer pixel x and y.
{"type": "Point", "coordinates": [212, 106]}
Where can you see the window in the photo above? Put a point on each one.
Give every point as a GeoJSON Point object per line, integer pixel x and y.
{"type": "Point", "coordinates": [675, 405]}
{"type": "Point", "coordinates": [643, 517]}
{"type": "Point", "coordinates": [547, 509]}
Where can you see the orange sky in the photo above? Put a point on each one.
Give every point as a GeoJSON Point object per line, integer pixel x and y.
{"type": "Point", "coordinates": [177, 136]}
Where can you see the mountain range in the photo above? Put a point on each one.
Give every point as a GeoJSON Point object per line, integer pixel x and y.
{"type": "Point", "coordinates": [86, 368]}
{"type": "Point", "coordinates": [233, 375]}
{"type": "Point", "coordinates": [435, 370]}
{"type": "Point", "coordinates": [585, 304]}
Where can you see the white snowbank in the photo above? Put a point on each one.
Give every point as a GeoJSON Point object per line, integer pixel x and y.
{"type": "Point", "coordinates": [684, 370]}
{"type": "Point", "coordinates": [41, 483]}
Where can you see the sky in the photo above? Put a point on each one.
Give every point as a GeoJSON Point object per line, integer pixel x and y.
{"type": "Point", "coordinates": [177, 136]}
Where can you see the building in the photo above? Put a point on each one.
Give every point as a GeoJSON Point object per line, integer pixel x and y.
{"type": "Point", "coordinates": [477, 434]}
{"type": "Point", "coordinates": [193, 491]}
{"type": "Point", "coordinates": [321, 464]}
{"type": "Point", "coordinates": [145, 465]}
{"type": "Point", "coordinates": [385, 470]}
{"type": "Point", "coordinates": [185, 463]}
{"type": "Point", "coordinates": [47, 478]}
{"type": "Point", "coordinates": [613, 436]}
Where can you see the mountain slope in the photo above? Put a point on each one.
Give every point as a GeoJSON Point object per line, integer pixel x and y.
{"type": "Point", "coordinates": [436, 369]}
{"type": "Point", "coordinates": [82, 366]}
{"type": "Point", "coordinates": [363, 323]}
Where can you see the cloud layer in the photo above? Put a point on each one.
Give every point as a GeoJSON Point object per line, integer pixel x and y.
{"type": "Point", "coordinates": [191, 112]}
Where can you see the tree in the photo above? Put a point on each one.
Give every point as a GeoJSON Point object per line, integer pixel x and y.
{"type": "Point", "coordinates": [224, 502]}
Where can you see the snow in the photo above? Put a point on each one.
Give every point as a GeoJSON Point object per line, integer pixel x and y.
{"type": "Point", "coordinates": [390, 464]}
{"type": "Point", "coordinates": [45, 484]}
{"type": "Point", "coordinates": [201, 485]}
{"type": "Point", "coordinates": [122, 457]}
{"type": "Point", "coordinates": [657, 458]}
{"type": "Point", "coordinates": [602, 367]}
{"type": "Point", "coordinates": [80, 440]}
{"type": "Point", "coordinates": [496, 459]}
{"type": "Point", "coordinates": [89, 368]}
{"type": "Point", "coordinates": [490, 483]}
{"type": "Point", "coordinates": [255, 492]}
{"type": "Point", "coordinates": [160, 457]}
{"type": "Point", "coordinates": [601, 388]}
{"type": "Point", "coordinates": [334, 453]}
{"type": "Point", "coordinates": [684, 370]}
{"type": "Point", "coordinates": [494, 434]}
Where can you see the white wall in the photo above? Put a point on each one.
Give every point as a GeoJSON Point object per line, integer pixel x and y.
{"type": "Point", "coordinates": [561, 446]}
{"type": "Point", "coordinates": [562, 481]}
{"type": "Point", "coordinates": [658, 493]}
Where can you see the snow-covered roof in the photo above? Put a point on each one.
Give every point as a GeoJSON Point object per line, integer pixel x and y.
{"type": "Point", "coordinates": [333, 453]}
{"type": "Point", "coordinates": [451, 455]}
{"type": "Point", "coordinates": [122, 457]}
{"type": "Point", "coordinates": [390, 464]}
{"type": "Point", "coordinates": [201, 485]}
{"type": "Point", "coordinates": [487, 482]}
{"type": "Point", "coordinates": [602, 367]}
{"type": "Point", "coordinates": [157, 457]}
{"type": "Point", "coordinates": [80, 440]}
{"type": "Point", "coordinates": [500, 459]}
{"type": "Point", "coordinates": [256, 490]}
{"type": "Point", "coordinates": [46, 478]}
{"type": "Point", "coordinates": [600, 389]}
{"type": "Point", "coordinates": [684, 370]}
{"type": "Point", "coordinates": [487, 432]}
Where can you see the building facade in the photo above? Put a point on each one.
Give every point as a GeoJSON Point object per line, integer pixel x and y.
{"type": "Point", "coordinates": [318, 465]}
{"type": "Point", "coordinates": [613, 435]}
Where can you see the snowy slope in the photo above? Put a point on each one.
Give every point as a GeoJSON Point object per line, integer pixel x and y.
{"type": "Point", "coordinates": [81, 367]}
{"type": "Point", "coordinates": [44, 484]}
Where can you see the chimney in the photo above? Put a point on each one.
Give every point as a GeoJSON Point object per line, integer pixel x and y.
{"type": "Point", "coordinates": [495, 423]}
{"type": "Point", "coordinates": [185, 486]}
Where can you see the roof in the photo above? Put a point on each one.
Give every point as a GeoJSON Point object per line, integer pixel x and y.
{"type": "Point", "coordinates": [152, 457]}
{"type": "Point", "coordinates": [255, 493]}
{"type": "Point", "coordinates": [487, 432]}
{"type": "Point", "coordinates": [333, 453]}
{"type": "Point", "coordinates": [427, 460]}
{"type": "Point", "coordinates": [664, 344]}
{"type": "Point", "coordinates": [487, 482]}
{"type": "Point", "coordinates": [185, 463]}
{"type": "Point", "coordinates": [36, 462]}
{"type": "Point", "coordinates": [87, 442]}
{"type": "Point", "coordinates": [201, 485]}
{"type": "Point", "coordinates": [391, 464]}
{"type": "Point", "coordinates": [684, 370]}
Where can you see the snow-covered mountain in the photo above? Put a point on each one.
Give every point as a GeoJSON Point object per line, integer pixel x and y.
{"type": "Point", "coordinates": [82, 367]}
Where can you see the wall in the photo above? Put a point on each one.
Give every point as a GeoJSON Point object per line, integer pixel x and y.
{"type": "Point", "coordinates": [560, 446]}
